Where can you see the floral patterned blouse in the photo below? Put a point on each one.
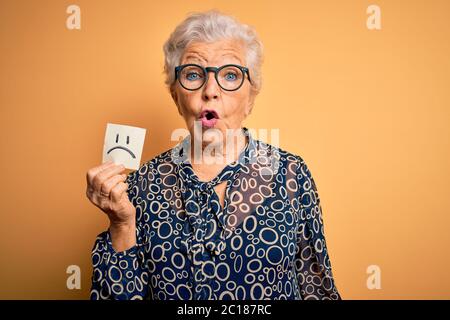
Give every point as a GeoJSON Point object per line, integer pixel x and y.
{"type": "Point", "coordinates": [267, 242]}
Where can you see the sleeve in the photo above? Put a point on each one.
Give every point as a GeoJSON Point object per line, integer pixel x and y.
{"type": "Point", "coordinates": [312, 263]}
{"type": "Point", "coordinates": [122, 275]}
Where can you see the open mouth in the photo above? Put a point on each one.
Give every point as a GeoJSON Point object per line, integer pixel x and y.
{"type": "Point", "coordinates": [209, 114]}
{"type": "Point", "coordinates": [208, 118]}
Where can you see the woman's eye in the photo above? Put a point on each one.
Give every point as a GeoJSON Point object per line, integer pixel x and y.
{"type": "Point", "coordinates": [192, 76]}
{"type": "Point", "coordinates": [230, 76]}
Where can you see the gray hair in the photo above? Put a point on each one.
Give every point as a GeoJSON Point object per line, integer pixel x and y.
{"type": "Point", "coordinates": [211, 26]}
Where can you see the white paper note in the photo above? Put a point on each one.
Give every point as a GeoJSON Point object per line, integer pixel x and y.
{"type": "Point", "coordinates": [123, 145]}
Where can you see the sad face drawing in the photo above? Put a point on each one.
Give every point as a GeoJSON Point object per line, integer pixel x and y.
{"type": "Point", "coordinates": [123, 145]}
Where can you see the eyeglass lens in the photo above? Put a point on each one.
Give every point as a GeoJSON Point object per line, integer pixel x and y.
{"type": "Point", "coordinates": [193, 77]}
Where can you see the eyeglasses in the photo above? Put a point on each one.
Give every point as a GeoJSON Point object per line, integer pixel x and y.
{"type": "Point", "coordinates": [230, 77]}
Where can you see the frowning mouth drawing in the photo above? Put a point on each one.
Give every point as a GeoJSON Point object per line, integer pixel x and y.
{"type": "Point", "coordinates": [122, 147]}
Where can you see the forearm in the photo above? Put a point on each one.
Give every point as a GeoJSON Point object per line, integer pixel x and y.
{"type": "Point", "coordinates": [123, 236]}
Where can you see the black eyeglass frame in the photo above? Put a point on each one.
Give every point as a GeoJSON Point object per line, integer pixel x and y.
{"type": "Point", "coordinates": [216, 71]}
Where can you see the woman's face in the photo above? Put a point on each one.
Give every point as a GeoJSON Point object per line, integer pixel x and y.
{"type": "Point", "coordinates": [231, 107]}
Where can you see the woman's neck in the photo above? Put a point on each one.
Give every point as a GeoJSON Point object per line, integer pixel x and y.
{"type": "Point", "coordinates": [209, 158]}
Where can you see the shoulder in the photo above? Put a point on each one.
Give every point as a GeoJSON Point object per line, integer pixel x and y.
{"type": "Point", "coordinates": [290, 165]}
{"type": "Point", "coordinates": [287, 159]}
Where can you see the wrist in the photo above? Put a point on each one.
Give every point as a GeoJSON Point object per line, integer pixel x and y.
{"type": "Point", "coordinates": [122, 227]}
{"type": "Point", "coordinates": [123, 235]}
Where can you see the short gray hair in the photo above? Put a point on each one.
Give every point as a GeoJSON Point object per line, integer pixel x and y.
{"type": "Point", "coordinates": [211, 26]}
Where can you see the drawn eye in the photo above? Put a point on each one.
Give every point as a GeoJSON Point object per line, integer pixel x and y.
{"type": "Point", "coordinates": [128, 139]}
{"type": "Point", "coordinates": [117, 138]}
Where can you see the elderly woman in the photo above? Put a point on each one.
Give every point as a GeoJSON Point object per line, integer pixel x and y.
{"type": "Point", "coordinates": [241, 219]}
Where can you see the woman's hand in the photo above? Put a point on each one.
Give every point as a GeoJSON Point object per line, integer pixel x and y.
{"type": "Point", "coordinates": [106, 189]}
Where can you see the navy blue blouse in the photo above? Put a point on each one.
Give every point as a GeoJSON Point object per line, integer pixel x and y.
{"type": "Point", "coordinates": [267, 242]}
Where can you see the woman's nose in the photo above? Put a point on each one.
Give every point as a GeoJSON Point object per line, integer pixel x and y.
{"type": "Point", "coordinates": [211, 88]}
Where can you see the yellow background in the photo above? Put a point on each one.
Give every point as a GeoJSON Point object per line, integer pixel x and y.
{"type": "Point", "coordinates": [367, 110]}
